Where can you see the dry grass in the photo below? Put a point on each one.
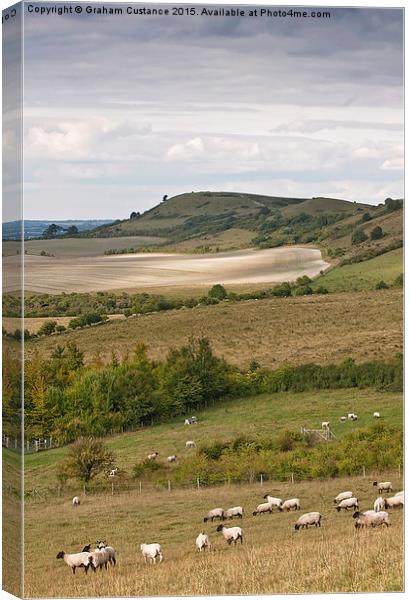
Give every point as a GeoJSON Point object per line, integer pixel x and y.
{"type": "Point", "coordinates": [297, 330]}
{"type": "Point", "coordinates": [273, 559]}
{"type": "Point", "coordinates": [33, 324]}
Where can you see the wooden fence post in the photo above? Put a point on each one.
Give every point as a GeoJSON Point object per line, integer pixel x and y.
{"type": "Point", "coordinates": [140, 487]}
{"type": "Point", "coordinates": [112, 488]}
{"type": "Point", "coordinates": [198, 483]}
{"type": "Point", "coordinates": [364, 471]}
{"type": "Point", "coordinates": [261, 479]}
{"type": "Point", "coordinates": [291, 478]}
{"type": "Point", "coordinates": [169, 485]}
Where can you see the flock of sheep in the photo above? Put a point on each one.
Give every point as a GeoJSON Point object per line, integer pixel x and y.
{"type": "Point", "coordinates": [104, 555]}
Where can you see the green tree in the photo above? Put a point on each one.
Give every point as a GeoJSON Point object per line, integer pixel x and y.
{"type": "Point", "coordinates": [72, 230]}
{"type": "Point", "coordinates": [366, 217]}
{"type": "Point", "coordinates": [47, 328]}
{"type": "Point", "coordinates": [376, 233]}
{"type": "Point", "coordinates": [217, 291]}
{"type": "Point", "coordinates": [87, 458]}
{"type": "Point", "coordinates": [358, 237]}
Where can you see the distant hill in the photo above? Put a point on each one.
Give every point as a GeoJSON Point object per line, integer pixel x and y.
{"type": "Point", "coordinates": [34, 229]}
{"type": "Point", "coordinates": [198, 213]}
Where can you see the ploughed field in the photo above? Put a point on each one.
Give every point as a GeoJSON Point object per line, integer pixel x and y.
{"type": "Point", "coordinates": [295, 330]}
{"type": "Point", "coordinates": [141, 271]}
{"type": "Point", "coordinates": [274, 558]}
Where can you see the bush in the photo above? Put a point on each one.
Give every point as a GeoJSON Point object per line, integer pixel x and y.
{"type": "Point", "coordinates": [217, 291]}
{"type": "Point", "coordinates": [381, 285]}
{"type": "Point", "coordinates": [366, 217]}
{"type": "Point", "coordinates": [376, 233]}
{"type": "Point", "coordinates": [358, 237]}
{"type": "Point", "coordinates": [398, 282]}
{"type": "Point", "coordinates": [47, 328]}
{"type": "Point", "coordinates": [304, 290]}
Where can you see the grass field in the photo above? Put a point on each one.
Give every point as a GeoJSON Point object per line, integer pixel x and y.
{"type": "Point", "coordinates": [295, 330]}
{"type": "Point", "coordinates": [363, 275]}
{"type": "Point", "coordinates": [265, 414]}
{"type": "Point", "coordinates": [273, 559]}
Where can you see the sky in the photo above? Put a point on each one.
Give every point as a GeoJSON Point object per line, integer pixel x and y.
{"type": "Point", "coordinates": [120, 110]}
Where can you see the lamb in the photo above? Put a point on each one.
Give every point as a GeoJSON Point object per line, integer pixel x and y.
{"type": "Point", "coordinates": [150, 552]}
{"type": "Point", "coordinates": [215, 513]}
{"type": "Point", "coordinates": [376, 415]}
{"type": "Point", "coordinates": [371, 518]}
{"type": "Point", "coordinates": [348, 503]}
{"type": "Point", "coordinates": [394, 502]}
{"type": "Point", "coordinates": [231, 534]}
{"type": "Point", "coordinates": [276, 502]}
{"type": "Point", "coordinates": [82, 560]}
{"type": "Point", "coordinates": [379, 504]}
{"type": "Point", "coordinates": [202, 542]}
{"type": "Point", "coordinates": [190, 444]}
{"type": "Point", "coordinates": [310, 518]}
{"type": "Point", "coordinates": [110, 550]}
{"type": "Point", "coordinates": [76, 501]}
{"type": "Point", "coordinates": [384, 486]}
{"type": "Point", "coordinates": [293, 503]}
{"type": "Point", "coordinates": [172, 458]}
{"type": "Point", "coordinates": [153, 455]}
{"type": "Point", "coordinates": [343, 496]}
{"type": "Point", "coordinates": [265, 507]}
{"type": "Point", "coordinates": [235, 511]}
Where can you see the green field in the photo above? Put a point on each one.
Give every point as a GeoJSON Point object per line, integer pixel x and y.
{"type": "Point", "coordinates": [363, 275]}
{"type": "Point", "coordinates": [266, 415]}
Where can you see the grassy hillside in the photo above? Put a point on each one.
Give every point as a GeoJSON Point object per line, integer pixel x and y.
{"type": "Point", "coordinates": [273, 559]}
{"type": "Point", "coordinates": [294, 330]}
{"type": "Point", "coordinates": [265, 415]}
{"type": "Point", "coordinates": [364, 275]}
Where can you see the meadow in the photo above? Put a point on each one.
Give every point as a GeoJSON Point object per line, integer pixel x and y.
{"type": "Point", "coordinates": [273, 559]}
{"type": "Point", "coordinates": [295, 330]}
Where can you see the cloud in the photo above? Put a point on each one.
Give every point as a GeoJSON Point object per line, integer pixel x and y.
{"type": "Point", "coordinates": [315, 125]}
{"type": "Point", "coordinates": [191, 149]}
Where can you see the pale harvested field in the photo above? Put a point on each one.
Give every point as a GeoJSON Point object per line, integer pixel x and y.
{"type": "Point", "coordinates": [295, 330]}
{"type": "Point", "coordinates": [140, 271]}
{"type": "Point", "coordinates": [273, 559]}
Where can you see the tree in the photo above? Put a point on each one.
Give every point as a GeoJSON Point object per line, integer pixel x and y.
{"type": "Point", "coordinates": [47, 328]}
{"type": "Point", "coordinates": [376, 233]}
{"type": "Point", "coordinates": [217, 291]}
{"type": "Point", "coordinates": [86, 459]}
{"type": "Point", "coordinates": [366, 217]}
{"type": "Point", "coordinates": [52, 231]}
{"type": "Point", "coordinates": [134, 215]}
{"type": "Point", "coordinates": [358, 237]}
{"type": "Point", "coordinates": [165, 198]}
{"type": "Point", "coordinates": [72, 230]}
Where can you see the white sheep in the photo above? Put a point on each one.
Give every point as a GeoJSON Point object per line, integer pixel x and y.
{"type": "Point", "coordinates": [342, 419]}
{"type": "Point", "coordinates": [384, 486]}
{"type": "Point", "coordinates": [76, 501]}
{"type": "Point", "coordinates": [235, 511]}
{"type": "Point", "coordinates": [352, 417]}
{"type": "Point", "coordinates": [371, 518]}
{"type": "Point", "coordinates": [215, 513]}
{"type": "Point", "coordinates": [82, 560]}
{"type": "Point", "coordinates": [172, 458]}
{"type": "Point", "coordinates": [342, 496]}
{"type": "Point", "coordinates": [231, 534]}
{"type": "Point", "coordinates": [153, 455]}
{"type": "Point", "coordinates": [401, 493]}
{"type": "Point", "coordinates": [100, 558]}
{"type": "Point", "coordinates": [376, 415]}
{"type": "Point", "coordinates": [292, 504]}
{"type": "Point", "coordinates": [190, 444]}
{"type": "Point", "coordinates": [348, 503]}
{"type": "Point", "coordinates": [202, 542]}
{"type": "Point", "coordinates": [394, 502]}
{"type": "Point", "coordinates": [379, 504]}
{"type": "Point", "coordinates": [325, 424]}
{"type": "Point", "coordinates": [265, 507]}
{"type": "Point", "coordinates": [150, 552]}
{"type": "Point", "coordinates": [310, 518]}
{"type": "Point", "coordinates": [113, 472]}
{"type": "Point", "coordinates": [276, 502]}
{"type": "Point", "coordinates": [111, 552]}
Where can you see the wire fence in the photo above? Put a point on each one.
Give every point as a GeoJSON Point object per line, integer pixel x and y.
{"type": "Point", "coordinates": [13, 443]}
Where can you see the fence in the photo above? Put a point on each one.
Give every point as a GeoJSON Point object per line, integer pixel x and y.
{"type": "Point", "coordinates": [13, 443]}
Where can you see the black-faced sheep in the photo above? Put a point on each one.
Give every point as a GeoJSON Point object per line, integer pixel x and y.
{"type": "Point", "coordinates": [292, 504]}
{"type": "Point", "coordinates": [231, 534]}
{"type": "Point", "coordinates": [82, 560]}
{"type": "Point", "coordinates": [383, 486]}
{"type": "Point", "coordinates": [202, 542]}
{"type": "Point", "coordinates": [342, 496]}
{"type": "Point", "coordinates": [371, 518]}
{"type": "Point", "coordinates": [348, 503]}
{"type": "Point", "coordinates": [265, 507]}
{"type": "Point", "coordinates": [310, 518]}
{"type": "Point", "coordinates": [235, 511]}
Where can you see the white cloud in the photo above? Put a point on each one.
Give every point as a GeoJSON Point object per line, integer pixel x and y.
{"type": "Point", "coordinates": [394, 164]}
{"type": "Point", "coordinates": [188, 151]}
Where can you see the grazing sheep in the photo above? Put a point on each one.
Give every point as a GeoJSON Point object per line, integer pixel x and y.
{"type": "Point", "coordinates": [113, 472]}
{"type": "Point", "coordinates": [352, 417]}
{"type": "Point", "coordinates": [310, 518]}
{"type": "Point", "coordinates": [235, 511]}
{"type": "Point", "coordinates": [76, 501]}
{"type": "Point", "coordinates": [371, 518]}
{"type": "Point", "coordinates": [379, 504]}
{"type": "Point", "coordinates": [265, 507]}
{"type": "Point", "coordinates": [172, 458]}
{"type": "Point", "coordinates": [110, 550]}
{"type": "Point", "coordinates": [376, 415]}
{"type": "Point", "coordinates": [190, 444]}
{"type": "Point", "coordinates": [276, 502]}
{"type": "Point", "coordinates": [82, 560]}
{"type": "Point", "coordinates": [292, 504]}
{"type": "Point", "coordinates": [150, 553]}
{"type": "Point", "coordinates": [348, 503]}
{"type": "Point", "coordinates": [153, 455]}
{"type": "Point", "coordinates": [400, 493]}
{"type": "Point", "coordinates": [202, 542]}
{"type": "Point", "coordinates": [394, 502]}
{"type": "Point", "coordinates": [231, 534]}
{"type": "Point", "coordinates": [215, 513]}
{"type": "Point", "coordinates": [342, 419]}
{"type": "Point", "coordinates": [191, 421]}
{"type": "Point", "coordinates": [384, 486]}
{"type": "Point", "coordinates": [325, 424]}
{"type": "Point", "coordinates": [342, 496]}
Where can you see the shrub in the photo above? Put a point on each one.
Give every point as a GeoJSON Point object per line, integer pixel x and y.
{"type": "Point", "coordinates": [398, 282]}
{"type": "Point", "coordinates": [381, 285]}
{"type": "Point", "coordinates": [217, 291]}
{"type": "Point", "coordinates": [358, 237]}
{"type": "Point", "coordinates": [47, 328]}
{"type": "Point", "coordinates": [376, 233]}
{"type": "Point", "coordinates": [366, 217]}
